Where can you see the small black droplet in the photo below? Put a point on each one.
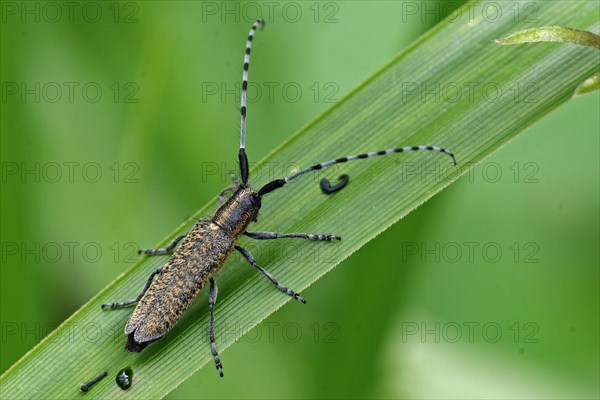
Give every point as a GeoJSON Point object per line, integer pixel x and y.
{"type": "Point", "coordinates": [124, 378]}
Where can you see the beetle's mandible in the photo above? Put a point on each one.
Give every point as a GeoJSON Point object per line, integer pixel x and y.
{"type": "Point", "coordinates": [171, 289]}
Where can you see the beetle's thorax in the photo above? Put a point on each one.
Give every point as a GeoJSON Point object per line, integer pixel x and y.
{"type": "Point", "coordinates": [238, 211]}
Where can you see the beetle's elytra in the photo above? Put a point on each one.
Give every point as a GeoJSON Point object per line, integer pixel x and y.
{"type": "Point", "coordinates": [171, 288]}
{"type": "Point", "coordinates": [201, 254]}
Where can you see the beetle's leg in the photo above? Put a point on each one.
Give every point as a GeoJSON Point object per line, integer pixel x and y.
{"type": "Point", "coordinates": [139, 296]}
{"type": "Point", "coordinates": [169, 249]}
{"type": "Point", "coordinates": [252, 262]}
{"type": "Point", "coordinates": [212, 300]}
{"type": "Point", "coordinates": [273, 235]}
{"type": "Point", "coordinates": [230, 189]}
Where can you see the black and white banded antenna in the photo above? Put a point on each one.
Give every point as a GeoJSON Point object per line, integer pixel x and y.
{"type": "Point", "coordinates": [276, 184]}
{"type": "Point", "coordinates": [242, 155]}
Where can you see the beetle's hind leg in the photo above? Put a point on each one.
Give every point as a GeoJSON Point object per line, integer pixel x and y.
{"type": "Point", "coordinates": [212, 300]}
{"type": "Point", "coordinates": [273, 235]}
{"type": "Point", "coordinates": [274, 281]}
{"type": "Point", "coordinates": [169, 249]}
{"type": "Point", "coordinates": [230, 189]}
{"type": "Point", "coordinates": [139, 296]}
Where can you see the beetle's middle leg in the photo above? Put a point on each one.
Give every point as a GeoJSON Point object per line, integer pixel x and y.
{"type": "Point", "coordinates": [212, 300]}
{"type": "Point", "coordinates": [273, 235]}
{"type": "Point", "coordinates": [165, 250]}
{"type": "Point", "coordinates": [252, 262]}
{"type": "Point", "coordinates": [139, 296]}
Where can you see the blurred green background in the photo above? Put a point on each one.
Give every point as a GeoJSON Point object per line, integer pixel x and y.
{"type": "Point", "coordinates": [491, 289]}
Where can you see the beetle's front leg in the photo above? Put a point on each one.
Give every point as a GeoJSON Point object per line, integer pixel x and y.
{"type": "Point", "coordinates": [231, 189]}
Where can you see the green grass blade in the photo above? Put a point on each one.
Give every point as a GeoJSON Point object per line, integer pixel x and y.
{"type": "Point", "coordinates": [454, 88]}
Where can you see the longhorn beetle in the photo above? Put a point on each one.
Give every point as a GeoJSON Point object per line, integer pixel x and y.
{"type": "Point", "coordinates": [204, 249]}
